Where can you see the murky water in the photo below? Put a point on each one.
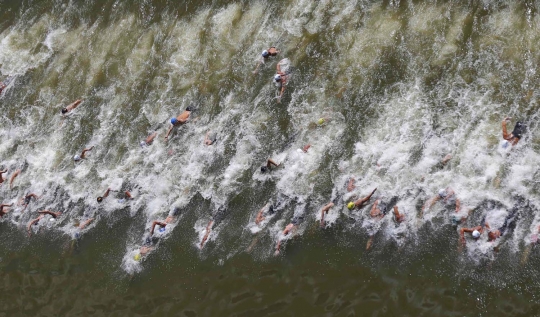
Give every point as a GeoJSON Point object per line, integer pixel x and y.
{"type": "Point", "coordinates": [399, 85]}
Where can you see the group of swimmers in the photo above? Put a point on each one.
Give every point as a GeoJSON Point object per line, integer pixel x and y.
{"type": "Point", "coordinates": [378, 210]}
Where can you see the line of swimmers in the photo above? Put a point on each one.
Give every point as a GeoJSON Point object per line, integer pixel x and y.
{"type": "Point", "coordinates": [378, 210]}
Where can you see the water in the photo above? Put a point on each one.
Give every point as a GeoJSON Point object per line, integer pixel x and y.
{"type": "Point", "coordinates": [400, 84]}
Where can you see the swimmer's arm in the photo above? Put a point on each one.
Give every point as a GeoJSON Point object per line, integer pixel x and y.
{"type": "Point", "coordinates": [86, 150]}
{"type": "Point", "coordinates": [430, 203]}
{"type": "Point", "coordinates": [31, 223]}
{"type": "Point", "coordinates": [458, 205]}
{"type": "Point", "coordinates": [5, 205]}
{"type": "Point", "coordinates": [48, 212]}
{"type": "Point", "coordinates": [151, 138]}
{"type": "Point", "coordinates": [128, 195]}
{"type": "Point", "coordinates": [107, 192]}
{"type": "Point", "coordinates": [374, 212]}
{"type": "Point", "coordinates": [271, 162]}
{"type": "Point", "coordinates": [506, 135]}
{"type": "Point", "coordinates": [157, 223]}
{"type": "Point", "coordinates": [257, 68]}
{"type": "Point", "coordinates": [74, 104]}
{"type": "Point", "coordinates": [86, 223]}
{"type": "Point", "coordinates": [487, 226]}
{"type": "Point", "coordinates": [327, 207]}
{"type": "Point", "coordinates": [281, 93]}
{"type": "Point", "coordinates": [17, 172]}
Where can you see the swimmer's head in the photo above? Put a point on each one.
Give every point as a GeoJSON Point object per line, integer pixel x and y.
{"type": "Point", "coordinates": [137, 257]}
{"type": "Point", "coordinates": [64, 110]}
{"type": "Point", "coordinates": [174, 121]}
{"type": "Point", "coordinates": [442, 193]}
{"type": "Point", "coordinates": [76, 236]}
{"type": "Point", "coordinates": [476, 234]}
{"type": "Point", "coordinates": [264, 169]}
{"type": "Point", "coordinates": [162, 229]}
{"type": "Point", "coordinates": [350, 205]}
{"type": "Point", "coordinates": [189, 108]}
{"type": "Point", "coordinates": [99, 199]}
{"type": "Point", "coordinates": [142, 144]}
{"type": "Point", "coordinates": [175, 211]}
{"type": "Point", "coordinates": [277, 78]}
{"type": "Point", "coordinates": [76, 158]}
{"type": "Point", "coordinates": [265, 53]}
{"type": "Point", "coordinates": [321, 121]}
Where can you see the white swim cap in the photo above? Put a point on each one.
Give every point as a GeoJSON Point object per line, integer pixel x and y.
{"type": "Point", "coordinates": [277, 77]}
{"type": "Point", "coordinates": [265, 53]}
{"type": "Point", "coordinates": [52, 219]}
{"type": "Point", "coordinates": [476, 234]}
{"type": "Point", "coordinates": [142, 143]}
{"type": "Point", "coordinates": [442, 192]}
{"type": "Point", "coordinates": [76, 158]}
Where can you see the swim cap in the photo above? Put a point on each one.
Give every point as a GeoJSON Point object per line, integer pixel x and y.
{"type": "Point", "coordinates": [137, 257]}
{"type": "Point", "coordinates": [99, 199]}
{"type": "Point", "coordinates": [64, 110]}
{"type": "Point", "coordinates": [476, 234]}
{"type": "Point", "coordinates": [351, 205]}
{"type": "Point", "coordinates": [442, 192]}
{"type": "Point", "coordinates": [264, 169]}
{"type": "Point", "coordinates": [265, 53]}
{"type": "Point", "coordinates": [142, 144]}
{"type": "Point", "coordinates": [162, 229]}
{"type": "Point", "coordinates": [52, 219]}
{"type": "Point", "coordinates": [277, 78]}
{"type": "Point", "coordinates": [174, 121]}
{"type": "Point", "coordinates": [320, 121]}
{"type": "Point", "coordinates": [76, 158]}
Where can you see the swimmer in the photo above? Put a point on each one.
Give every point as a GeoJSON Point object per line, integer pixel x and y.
{"type": "Point", "coordinates": [149, 140]}
{"type": "Point", "coordinates": [2, 206]}
{"type": "Point", "coordinates": [397, 216]}
{"type": "Point", "coordinates": [289, 228]}
{"type": "Point", "coordinates": [448, 196]}
{"type": "Point", "coordinates": [42, 214]}
{"type": "Point", "coordinates": [208, 227]}
{"type": "Point", "coordinates": [84, 224]}
{"type": "Point", "coordinates": [2, 179]}
{"type": "Point", "coordinates": [324, 210]}
{"type": "Point", "coordinates": [350, 184]}
{"type": "Point", "coordinates": [100, 198]}
{"type": "Point", "coordinates": [13, 176]}
{"type": "Point", "coordinates": [514, 137]}
{"type": "Point", "coordinates": [378, 210]}
{"type": "Point", "coordinates": [170, 218]}
{"type": "Point", "coordinates": [71, 107]}
{"type": "Point", "coordinates": [280, 79]}
{"type": "Point", "coordinates": [268, 166]}
{"type": "Point", "coordinates": [475, 232]}
{"type": "Point", "coordinates": [306, 148]}
{"type": "Point", "coordinates": [26, 200]}
{"type": "Point", "coordinates": [260, 216]}
{"type": "Point", "coordinates": [509, 221]}
{"type": "Point", "coordinates": [77, 158]}
{"type": "Point", "coordinates": [209, 138]}
{"type": "Point", "coordinates": [360, 202]}
{"type": "Point", "coordinates": [181, 119]}
{"type": "Point", "coordinates": [266, 54]}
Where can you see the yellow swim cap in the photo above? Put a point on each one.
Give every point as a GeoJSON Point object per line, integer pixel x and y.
{"type": "Point", "coordinates": [320, 121]}
{"type": "Point", "coordinates": [137, 257]}
{"type": "Point", "coordinates": [351, 205]}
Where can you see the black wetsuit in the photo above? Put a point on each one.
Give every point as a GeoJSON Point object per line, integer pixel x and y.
{"type": "Point", "coordinates": [519, 130]}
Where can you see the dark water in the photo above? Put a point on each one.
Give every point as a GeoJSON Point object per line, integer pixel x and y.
{"type": "Point", "coordinates": [401, 83]}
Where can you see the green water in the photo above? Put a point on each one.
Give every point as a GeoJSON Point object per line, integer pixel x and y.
{"type": "Point", "coordinates": [401, 84]}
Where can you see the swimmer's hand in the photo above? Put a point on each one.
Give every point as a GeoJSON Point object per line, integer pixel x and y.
{"type": "Point", "coordinates": [507, 119]}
